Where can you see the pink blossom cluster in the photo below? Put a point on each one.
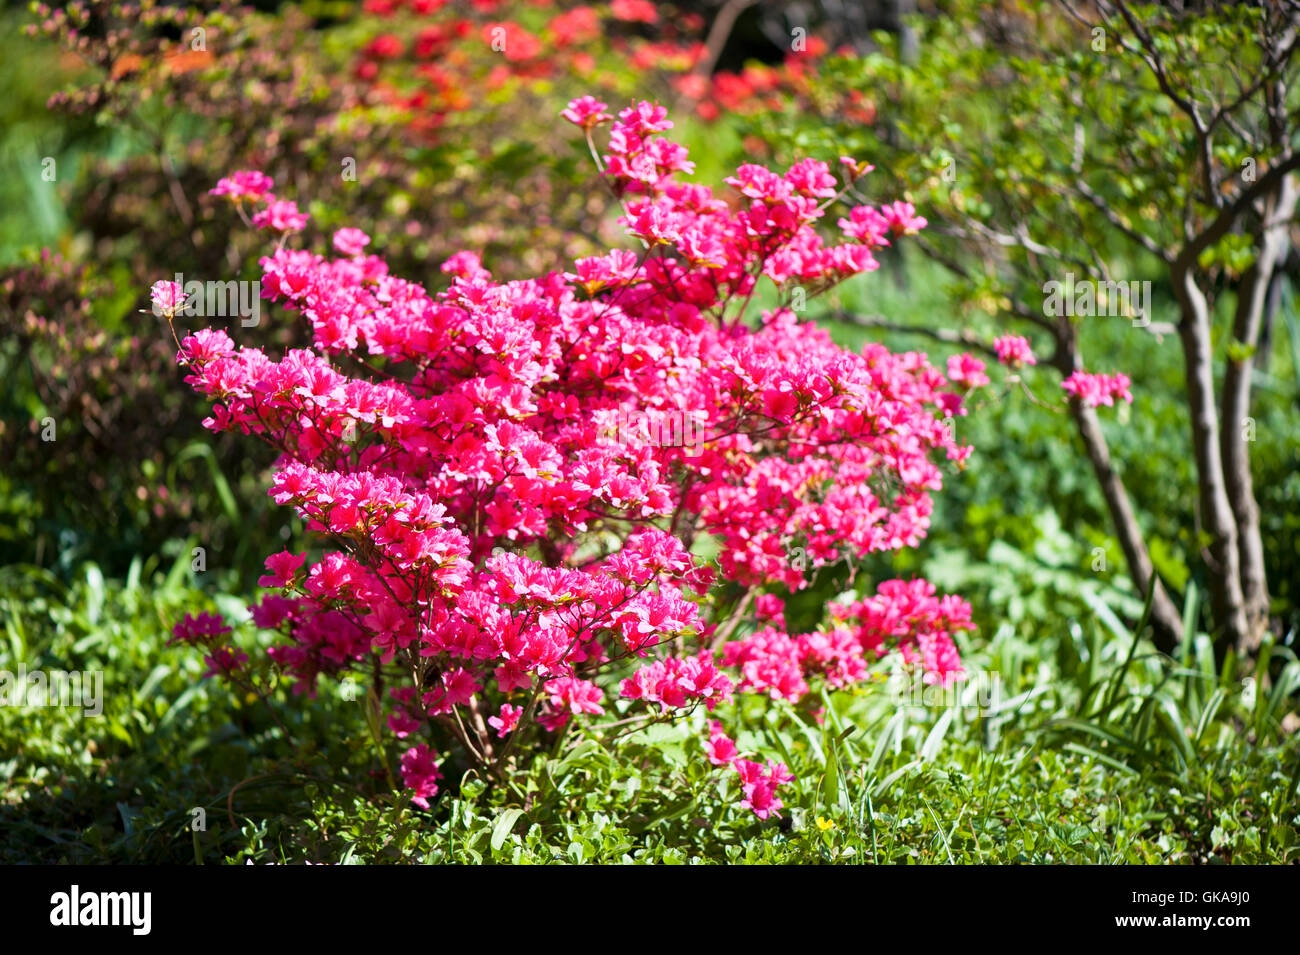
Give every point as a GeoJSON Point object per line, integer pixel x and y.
{"type": "Point", "coordinates": [252, 186]}
{"type": "Point", "coordinates": [246, 185]}
{"type": "Point", "coordinates": [758, 782]}
{"type": "Point", "coordinates": [205, 629]}
{"type": "Point", "coordinates": [420, 773]}
{"type": "Point", "coordinates": [210, 631]}
{"type": "Point", "coordinates": [967, 372]}
{"type": "Point", "coordinates": [907, 615]}
{"type": "Point", "coordinates": [721, 749]}
{"type": "Point", "coordinates": [1095, 390]}
{"type": "Point", "coordinates": [902, 615]}
{"type": "Point", "coordinates": [280, 215]}
{"type": "Point", "coordinates": [1014, 351]}
{"type": "Point", "coordinates": [677, 682]}
{"type": "Point", "coordinates": [492, 537]}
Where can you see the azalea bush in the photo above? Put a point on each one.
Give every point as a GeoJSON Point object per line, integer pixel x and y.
{"type": "Point", "coordinates": [427, 59]}
{"type": "Point", "coordinates": [513, 482]}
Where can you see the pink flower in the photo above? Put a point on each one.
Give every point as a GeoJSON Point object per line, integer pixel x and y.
{"type": "Point", "coordinates": [1095, 390]}
{"type": "Point", "coordinates": [966, 371]}
{"type": "Point", "coordinates": [676, 683]}
{"type": "Point", "coordinates": [511, 40]}
{"type": "Point", "coordinates": [569, 697]}
{"type": "Point", "coordinates": [908, 615]}
{"type": "Point", "coordinates": [207, 344]}
{"type": "Point", "coordinates": [618, 268]}
{"type": "Point", "coordinates": [282, 215]}
{"type": "Point", "coordinates": [168, 298]}
{"type": "Point", "coordinates": [951, 404]}
{"type": "Point", "coordinates": [811, 177]}
{"type": "Point", "coordinates": [579, 25]}
{"type": "Point", "coordinates": [759, 785]}
{"type": "Point", "coordinates": [768, 661]}
{"type": "Point", "coordinates": [351, 242]}
{"type": "Point", "coordinates": [466, 265]}
{"type": "Point", "coordinates": [577, 696]}
{"type": "Point", "coordinates": [403, 723]}
{"type": "Point", "coordinates": [634, 11]}
{"type": "Point", "coordinates": [204, 628]}
{"type": "Point", "coordinates": [247, 184]}
{"type": "Point", "coordinates": [458, 688]}
{"type": "Point", "coordinates": [721, 749]}
{"type": "Point", "coordinates": [866, 225]}
{"type": "Point", "coordinates": [1014, 350]}
{"type": "Point", "coordinates": [507, 720]}
{"type": "Point", "coordinates": [758, 182]}
{"type": "Point", "coordinates": [770, 607]}
{"type": "Point", "coordinates": [272, 611]}
{"type": "Point", "coordinates": [656, 223]}
{"type": "Point", "coordinates": [283, 569]}
{"type": "Point", "coordinates": [420, 773]}
{"type": "Point", "coordinates": [384, 47]}
{"type": "Point", "coordinates": [586, 112]}
{"type": "Point", "coordinates": [902, 218]}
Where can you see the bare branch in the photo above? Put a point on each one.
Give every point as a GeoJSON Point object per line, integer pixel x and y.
{"type": "Point", "coordinates": [1229, 215]}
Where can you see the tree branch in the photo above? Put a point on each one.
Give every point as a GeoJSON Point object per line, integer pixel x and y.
{"type": "Point", "coordinates": [951, 336]}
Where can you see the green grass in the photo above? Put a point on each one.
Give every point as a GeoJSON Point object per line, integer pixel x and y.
{"type": "Point", "coordinates": [1097, 750]}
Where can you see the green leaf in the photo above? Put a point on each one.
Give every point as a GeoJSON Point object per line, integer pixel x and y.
{"type": "Point", "coordinates": [501, 828]}
{"type": "Point", "coordinates": [831, 778]}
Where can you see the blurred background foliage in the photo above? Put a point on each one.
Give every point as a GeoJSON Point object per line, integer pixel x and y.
{"type": "Point", "coordinates": [98, 526]}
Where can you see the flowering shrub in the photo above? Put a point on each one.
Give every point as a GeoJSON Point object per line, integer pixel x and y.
{"type": "Point", "coordinates": [501, 558]}
{"type": "Point", "coordinates": [432, 59]}
{"type": "Point", "coordinates": [1094, 390]}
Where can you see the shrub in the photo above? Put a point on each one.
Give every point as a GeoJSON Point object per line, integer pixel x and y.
{"type": "Point", "coordinates": [452, 54]}
{"type": "Point", "coordinates": [505, 556]}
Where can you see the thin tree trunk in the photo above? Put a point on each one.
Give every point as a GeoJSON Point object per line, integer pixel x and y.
{"type": "Point", "coordinates": [1166, 621]}
{"type": "Point", "coordinates": [1238, 432]}
{"type": "Point", "coordinates": [1226, 598]}
{"type": "Point", "coordinates": [1272, 306]}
